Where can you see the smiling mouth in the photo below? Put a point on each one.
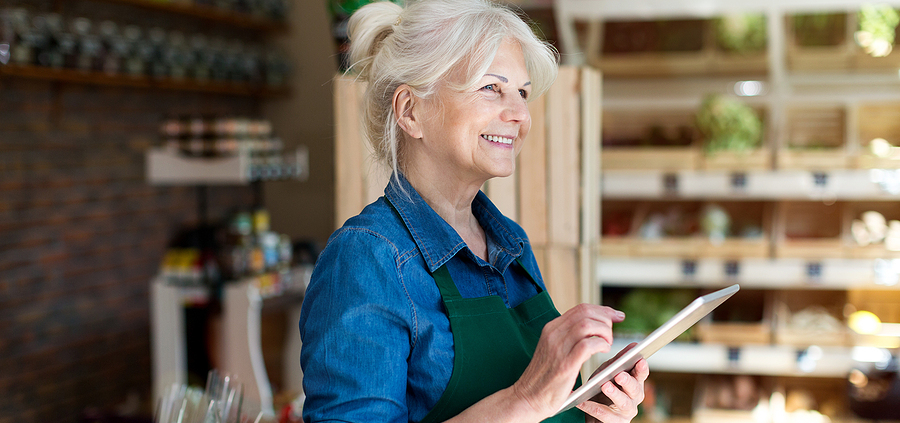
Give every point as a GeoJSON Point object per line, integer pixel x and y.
{"type": "Point", "coordinates": [498, 139]}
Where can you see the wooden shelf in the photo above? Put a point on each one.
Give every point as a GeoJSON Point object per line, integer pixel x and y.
{"type": "Point", "coordinates": [121, 80]}
{"type": "Point", "coordinates": [210, 13]}
{"type": "Point", "coordinates": [764, 360]}
{"type": "Point", "coordinates": [856, 185]}
{"type": "Point", "coordinates": [165, 167]}
{"type": "Point", "coordinates": [751, 273]}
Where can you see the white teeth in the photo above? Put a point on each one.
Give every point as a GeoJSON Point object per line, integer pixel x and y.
{"type": "Point", "coordinates": [502, 140]}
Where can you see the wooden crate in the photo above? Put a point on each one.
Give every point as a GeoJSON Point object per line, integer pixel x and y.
{"type": "Point", "coordinates": [746, 319]}
{"type": "Point", "coordinates": [618, 246]}
{"type": "Point", "coordinates": [658, 139]}
{"type": "Point", "coordinates": [836, 54]}
{"type": "Point", "coordinates": [758, 159]}
{"type": "Point", "coordinates": [804, 396]}
{"type": "Point", "coordinates": [650, 158]}
{"type": "Point", "coordinates": [880, 120]}
{"type": "Point", "coordinates": [885, 303]}
{"type": "Point", "coordinates": [815, 139]}
{"type": "Point", "coordinates": [558, 162]}
{"type": "Point", "coordinates": [810, 230]}
{"type": "Point", "coordinates": [692, 244]}
{"type": "Point", "coordinates": [789, 303]}
{"type": "Point", "coordinates": [747, 217]}
{"type": "Point", "coordinates": [736, 248]}
{"type": "Point", "coordinates": [646, 57]}
{"type": "Point", "coordinates": [878, 250]}
{"type": "Point", "coordinates": [717, 400]}
{"type": "Point", "coordinates": [618, 223]}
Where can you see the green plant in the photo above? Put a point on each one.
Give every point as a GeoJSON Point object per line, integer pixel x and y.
{"type": "Point", "coordinates": [741, 33]}
{"type": "Point", "coordinates": [877, 28]}
{"type": "Point", "coordinates": [648, 308]}
{"type": "Point", "coordinates": [728, 125]}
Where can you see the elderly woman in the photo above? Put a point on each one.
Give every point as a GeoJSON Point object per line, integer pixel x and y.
{"type": "Point", "coordinates": [429, 306]}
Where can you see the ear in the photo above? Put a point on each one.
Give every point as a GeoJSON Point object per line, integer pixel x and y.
{"type": "Point", "coordinates": [403, 103]}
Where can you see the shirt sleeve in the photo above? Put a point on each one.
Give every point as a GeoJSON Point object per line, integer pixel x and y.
{"type": "Point", "coordinates": [357, 328]}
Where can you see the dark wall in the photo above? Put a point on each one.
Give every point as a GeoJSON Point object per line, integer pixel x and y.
{"type": "Point", "coordinates": [82, 233]}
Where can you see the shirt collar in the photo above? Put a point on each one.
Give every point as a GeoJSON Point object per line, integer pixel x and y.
{"type": "Point", "coordinates": [435, 238]}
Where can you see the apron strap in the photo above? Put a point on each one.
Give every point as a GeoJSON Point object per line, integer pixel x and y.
{"type": "Point", "coordinates": [442, 278]}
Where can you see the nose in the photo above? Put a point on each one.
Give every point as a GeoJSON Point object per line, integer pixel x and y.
{"type": "Point", "coordinates": [515, 109]}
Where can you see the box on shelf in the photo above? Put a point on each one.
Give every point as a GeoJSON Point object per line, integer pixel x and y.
{"type": "Point", "coordinates": [878, 134]}
{"type": "Point", "coordinates": [617, 226]}
{"type": "Point", "coordinates": [740, 161]}
{"type": "Point", "coordinates": [799, 399]}
{"type": "Point", "coordinates": [810, 318]}
{"type": "Point", "coordinates": [670, 397]}
{"type": "Point", "coordinates": [820, 42]}
{"type": "Point", "coordinates": [815, 139]}
{"type": "Point", "coordinates": [732, 399]}
{"type": "Point", "coordinates": [685, 229]}
{"type": "Point", "coordinates": [746, 319]}
{"type": "Point", "coordinates": [809, 230]}
{"type": "Point", "coordinates": [665, 48]}
{"type": "Point", "coordinates": [872, 230]}
{"type": "Point", "coordinates": [649, 140]}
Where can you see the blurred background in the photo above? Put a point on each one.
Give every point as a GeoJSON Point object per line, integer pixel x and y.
{"type": "Point", "coordinates": [169, 172]}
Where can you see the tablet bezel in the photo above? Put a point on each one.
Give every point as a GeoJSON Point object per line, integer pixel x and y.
{"type": "Point", "coordinates": [666, 333]}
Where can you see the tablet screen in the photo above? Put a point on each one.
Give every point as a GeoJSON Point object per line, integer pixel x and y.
{"type": "Point", "coordinates": [666, 333]}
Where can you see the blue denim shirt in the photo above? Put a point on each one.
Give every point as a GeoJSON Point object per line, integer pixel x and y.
{"type": "Point", "coordinates": [377, 345]}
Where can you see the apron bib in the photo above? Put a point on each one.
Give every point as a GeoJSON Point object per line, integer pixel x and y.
{"type": "Point", "coordinates": [492, 344]}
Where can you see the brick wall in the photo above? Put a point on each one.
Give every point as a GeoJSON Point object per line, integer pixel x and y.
{"type": "Point", "coordinates": [82, 234]}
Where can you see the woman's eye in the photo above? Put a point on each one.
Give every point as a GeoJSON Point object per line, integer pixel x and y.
{"type": "Point", "coordinates": [491, 87]}
{"type": "Point", "coordinates": [524, 94]}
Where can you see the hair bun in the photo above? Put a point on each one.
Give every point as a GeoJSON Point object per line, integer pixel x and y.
{"type": "Point", "coordinates": [367, 29]}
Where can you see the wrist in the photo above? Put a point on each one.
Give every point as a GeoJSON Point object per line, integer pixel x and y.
{"type": "Point", "coordinates": [525, 406]}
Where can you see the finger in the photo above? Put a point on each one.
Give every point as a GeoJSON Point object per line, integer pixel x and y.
{"type": "Point", "coordinates": [630, 386]}
{"type": "Point", "coordinates": [621, 401]}
{"type": "Point", "coordinates": [607, 315]}
{"type": "Point", "coordinates": [641, 370]}
{"type": "Point", "coordinates": [587, 347]}
{"type": "Point", "coordinates": [597, 411]}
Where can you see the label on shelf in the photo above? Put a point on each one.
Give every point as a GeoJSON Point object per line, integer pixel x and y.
{"type": "Point", "coordinates": [814, 272]}
{"type": "Point", "coordinates": [738, 182]}
{"type": "Point", "coordinates": [689, 269]}
{"type": "Point", "coordinates": [670, 184]}
{"type": "Point", "coordinates": [732, 269]}
{"type": "Point", "coordinates": [733, 357]}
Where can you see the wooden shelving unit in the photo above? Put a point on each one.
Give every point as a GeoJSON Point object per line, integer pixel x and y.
{"type": "Point", "coordinates": [814, 174]}
{"type": "Point", "coordinates": [144, 82]}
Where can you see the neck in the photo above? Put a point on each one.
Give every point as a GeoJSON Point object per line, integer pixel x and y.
{"type": "Point", "coordinates": [452, 200]}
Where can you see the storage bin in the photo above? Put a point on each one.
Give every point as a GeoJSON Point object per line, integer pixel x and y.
{"type": "Point", "coordinates": [745, 319]}
{"type": "Point", "coordinates": [808, 230]}
{"type": "Point", "coordinates": [815, 139]}
{"type": "Point", "coordinates": [805, 318]}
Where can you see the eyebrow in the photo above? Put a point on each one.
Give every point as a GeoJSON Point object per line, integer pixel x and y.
{"type": "Point", "coordinates": [503, 79]}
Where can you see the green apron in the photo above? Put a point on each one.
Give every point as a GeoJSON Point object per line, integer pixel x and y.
{"type": "Point", "coordinates": [492, 346]}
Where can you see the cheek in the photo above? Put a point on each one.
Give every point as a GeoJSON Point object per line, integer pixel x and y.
{"type": "Point", "coordinates": [525, 128]}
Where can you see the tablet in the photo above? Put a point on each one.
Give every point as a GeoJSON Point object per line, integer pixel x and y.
{"type": "Point", "coordinates": [666, 333]}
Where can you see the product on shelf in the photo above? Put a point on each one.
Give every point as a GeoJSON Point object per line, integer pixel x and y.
{"type": "Point", "coordinates": [246, 248]}
{"type": "Point", "coordinates": [728, 124]}
{"type": "Point", "coordinates": [113, 48]}
{"type": "Point", "coordinates": [204, 136]}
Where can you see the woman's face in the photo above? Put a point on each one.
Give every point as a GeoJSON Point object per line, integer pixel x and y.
{"type": "Point", "coordinates": [476, 134]}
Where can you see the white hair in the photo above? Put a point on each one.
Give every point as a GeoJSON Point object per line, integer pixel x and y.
{"type": "Point", "coordinates": [422, 45]}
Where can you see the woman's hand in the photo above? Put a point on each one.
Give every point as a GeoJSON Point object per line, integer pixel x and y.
{"type": "Point", "coordinates": [621, 398]}
{"type": "Point", "coordinates": [566, 343]}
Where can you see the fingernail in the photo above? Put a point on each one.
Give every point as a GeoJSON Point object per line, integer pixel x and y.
{"type": "Point", "coordinates": [620, 314]}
